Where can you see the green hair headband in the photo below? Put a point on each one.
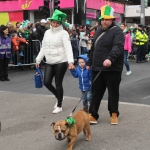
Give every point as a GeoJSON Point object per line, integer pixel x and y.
{"type": "Point", "coordinates": [71, 121]}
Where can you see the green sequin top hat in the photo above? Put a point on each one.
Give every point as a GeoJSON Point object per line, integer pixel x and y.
{"type": "Point", "coordinates": [58, 16]}
{"type": "Point", "coordinates": [107, 12]}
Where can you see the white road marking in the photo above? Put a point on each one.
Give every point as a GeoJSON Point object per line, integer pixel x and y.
{"type": "Point", "coordinates": [75, 98]}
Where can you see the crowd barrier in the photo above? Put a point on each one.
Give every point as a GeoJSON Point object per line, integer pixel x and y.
{"type": "Point", "coordinates": [31, 50]}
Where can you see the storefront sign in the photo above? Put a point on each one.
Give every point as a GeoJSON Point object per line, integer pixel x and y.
{"type": "Point", "coordinates": [15, 5]}
{"type": "Point", "coordinates": [97, 4]}
{"type": "Point", "coordinates": [117, 18]}
{"type": "Point", "coordinates": [66, 3]}
{"type": "Point", "coordinates": [91, 15]}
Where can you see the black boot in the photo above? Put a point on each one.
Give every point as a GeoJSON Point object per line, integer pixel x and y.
{"type": "Point", "coordinates": [2, 79]}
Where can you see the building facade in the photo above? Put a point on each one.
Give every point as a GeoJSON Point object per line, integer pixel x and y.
{"type": "Point", "coordinates": [14, 10]}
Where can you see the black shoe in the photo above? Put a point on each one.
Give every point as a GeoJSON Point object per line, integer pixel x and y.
{"type": "Point", "coordinates": [138, 62]}
{"type": "Point", "coordinates": [2, 79]}
{"type": "Point", "coordinates": [143, 61]}
{"type": "Point", "coordinates": [6, 79]}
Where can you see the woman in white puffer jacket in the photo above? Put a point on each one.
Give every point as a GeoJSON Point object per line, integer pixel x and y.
{"type": "Point", "coordinates": [56, 47]}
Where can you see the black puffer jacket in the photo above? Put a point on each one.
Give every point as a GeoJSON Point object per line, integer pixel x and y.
{"type": "Point", "coordinates": [40, 32]}
{"type": "Point", "coordinates": [109, 46]}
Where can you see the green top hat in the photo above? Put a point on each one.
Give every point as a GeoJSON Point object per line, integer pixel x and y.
{"type": "Point", "coordinates": [58, 16]}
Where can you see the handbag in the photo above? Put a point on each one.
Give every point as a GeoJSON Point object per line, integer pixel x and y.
{"type": "Point", "coordinates": [38, 78]}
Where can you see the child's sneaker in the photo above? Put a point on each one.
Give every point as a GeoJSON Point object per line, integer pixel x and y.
{"type": "Point", "coordinates": [21, 54]}
{"type": "Point", "coordinates": [19, 63]}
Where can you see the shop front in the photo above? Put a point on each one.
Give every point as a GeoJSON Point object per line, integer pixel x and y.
{"type": "Point", "coordinates": [13, 10]}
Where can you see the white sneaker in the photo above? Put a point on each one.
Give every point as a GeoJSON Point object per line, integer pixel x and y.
{"type": "Point", "coordinates": [57, 110]}
{"type": "Point", "coordinates": [128, 73]}
{"type": "Point", "coordinates": [55, 105]}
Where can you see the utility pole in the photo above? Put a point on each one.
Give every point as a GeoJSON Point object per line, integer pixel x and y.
{"type": "Point", "coordinates": [142, 17]}
{"type": "Point", "coordinates": [51, 7]}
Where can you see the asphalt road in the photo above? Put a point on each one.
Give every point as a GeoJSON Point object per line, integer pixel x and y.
{"type": "Point", "coordinates": [134, 88]}
{"type": "Point", "coordinates": [26, 114]}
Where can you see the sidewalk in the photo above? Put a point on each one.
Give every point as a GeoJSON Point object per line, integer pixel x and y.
{"type": "Point", "coordinates": [26, 125]}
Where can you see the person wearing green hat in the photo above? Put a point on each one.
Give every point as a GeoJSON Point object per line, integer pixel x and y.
{"type": "Point", "coordinates": [56, 47]}
{"type": "Point", "coordinates": [106, 57]}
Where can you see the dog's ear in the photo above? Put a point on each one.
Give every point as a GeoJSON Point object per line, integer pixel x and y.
{"type": "Point", "coordinates": [53, 124]}
{"type": "Point", "coordinates": [67, 124]}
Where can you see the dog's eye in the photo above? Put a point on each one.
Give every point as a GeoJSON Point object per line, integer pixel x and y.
{"type": "Point", "coordinates": [63, 130]}
{"type": "Point", "coordinates": [56, 130]}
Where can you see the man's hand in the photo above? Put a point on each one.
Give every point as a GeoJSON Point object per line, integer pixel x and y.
{"type": "Point", "coordinates": [107, 63]}
{"type": "Point", "coordinates": [71, 66]}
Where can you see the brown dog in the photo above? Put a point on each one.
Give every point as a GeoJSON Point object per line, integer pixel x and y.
{"type": "Point", "coordinates": [63, 128]}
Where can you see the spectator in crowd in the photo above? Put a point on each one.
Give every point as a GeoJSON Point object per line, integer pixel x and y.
{"type": "Point", "coordinates": [5, 53]}
{"type": "Point", "coordinates": [83, 41]}
{"type": "Point", "coordinates": [127, 47]}
{"type": "Point", "coordinates": [41, 29]}
{"type": "Point", "coordinates": [141, 39]}
{"type": "Point", "coordinates": [9, 24]}
{"type": "Point", "coordinates": [89, 44]}
{"type": "Point", "coordinates": [24, 32]}
{"type": "Point", "coordinates": [56, 47]}
{"type": "Point", "coordinates": [85, 79]}
{"type": "Point", "coordinates": [11, 30]}
{"type": "Point", "coordinates": [88, 29]}
{"type": "Point", "coordinates": [28, 25]}
{"type": "Point", "coordinates": [16, 47]}
{"type": "Point", "coordinates": [106, 57]}
{"type": "Point", "coordinates": [48, 24]}
{"type": "Point", "coordinates": [18, 25]}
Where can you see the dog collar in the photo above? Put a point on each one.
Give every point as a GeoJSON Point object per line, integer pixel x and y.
{"type": "Point", "coordinates": [71, 121]}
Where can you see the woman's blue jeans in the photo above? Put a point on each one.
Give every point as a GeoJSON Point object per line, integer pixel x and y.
{"type": "Point", "coordinates": [126, 61]}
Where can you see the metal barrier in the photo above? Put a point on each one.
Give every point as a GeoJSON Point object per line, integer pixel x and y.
{"type": "Point", "coordinates": [31, 51]}
{"type": "Point", "coordinates": [26, 54]}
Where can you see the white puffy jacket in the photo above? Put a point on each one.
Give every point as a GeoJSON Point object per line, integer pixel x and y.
{"type": "Point", "coordinates": [56, 47]}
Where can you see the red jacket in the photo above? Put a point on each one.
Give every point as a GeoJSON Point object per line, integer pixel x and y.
{"type": "Point", "coordinates": [16, 42]}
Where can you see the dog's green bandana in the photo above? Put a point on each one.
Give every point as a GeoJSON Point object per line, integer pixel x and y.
{"type": "Point", "coordinates": [71, 121]}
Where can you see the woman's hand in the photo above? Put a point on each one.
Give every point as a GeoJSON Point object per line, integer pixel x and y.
{"type": "Point", "coordinates": [71, 66]}
{"type": "Point", "coordinates": [37, 65]}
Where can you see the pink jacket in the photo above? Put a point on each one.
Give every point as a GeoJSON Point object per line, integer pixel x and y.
{"type": "Point", "coordinates": [127, 43]}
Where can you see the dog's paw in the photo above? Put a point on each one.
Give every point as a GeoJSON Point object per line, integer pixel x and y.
{"type": "Point", "coordinates": [88, 139]}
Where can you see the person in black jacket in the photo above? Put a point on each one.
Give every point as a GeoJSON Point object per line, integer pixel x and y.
{"type": "Point", "coordinates": [106, 56]}
{"type": "Point", "coordinates": [41, 29]}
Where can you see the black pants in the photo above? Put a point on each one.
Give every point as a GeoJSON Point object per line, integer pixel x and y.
{"type": "Point", "coordinates": [4, 68]}
{"type": "Point", "coordinates": [58, 71]}
{"type": "Point", "coordinates": [110, 80]}
{"type": "Point", "coordinates": [140, 50]}
{"type": "Point", "coordinates": [144, 52]}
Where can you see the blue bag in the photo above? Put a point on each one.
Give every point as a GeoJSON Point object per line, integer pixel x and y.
{"type": "Point", "coordinates": [38, 78]}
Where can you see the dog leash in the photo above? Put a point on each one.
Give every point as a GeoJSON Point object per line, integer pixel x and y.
{"type": "Point", "coordinates": [70, 115]}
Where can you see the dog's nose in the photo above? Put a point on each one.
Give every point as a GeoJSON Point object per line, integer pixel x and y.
{"type": "Point", "coordinates": [59, 135]}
